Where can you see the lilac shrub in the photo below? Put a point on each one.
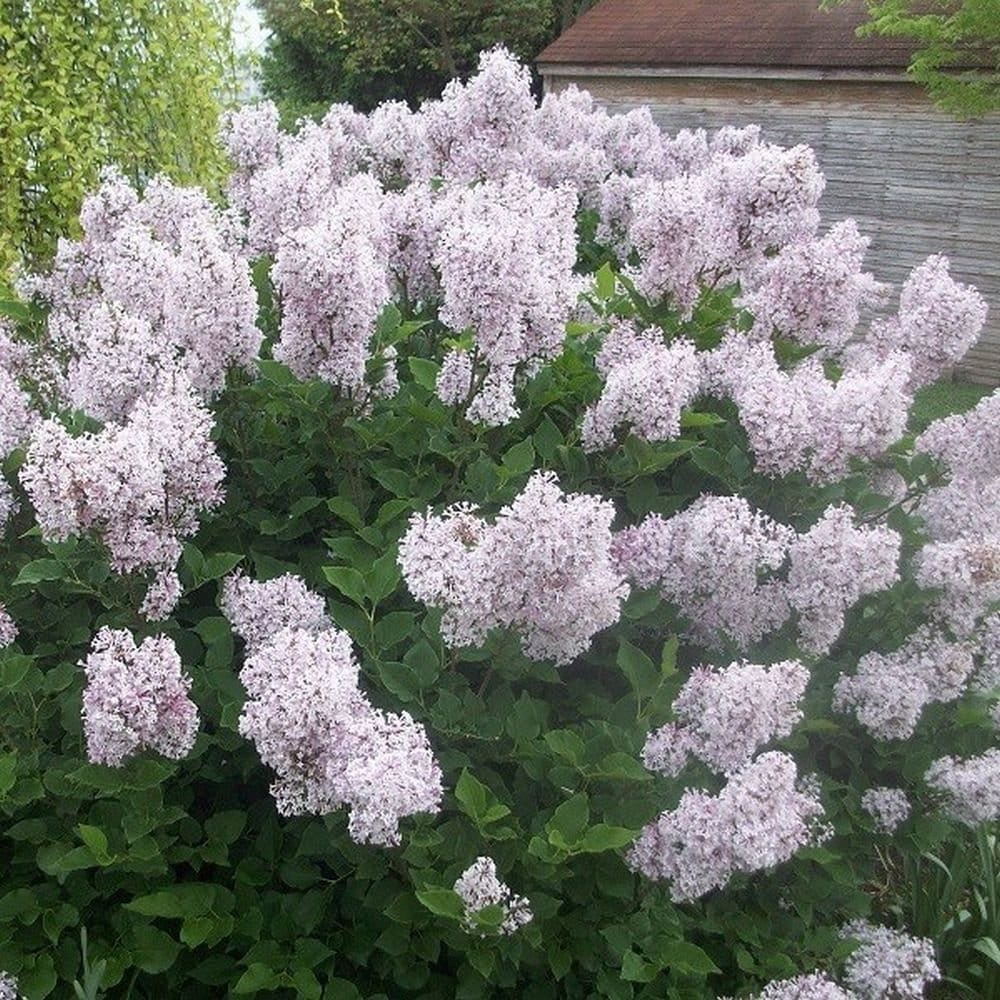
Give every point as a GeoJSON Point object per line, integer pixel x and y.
{"type": "Point", "coordinates": [492, 554]}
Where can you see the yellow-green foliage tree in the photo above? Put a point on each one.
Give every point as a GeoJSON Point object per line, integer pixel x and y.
{"type": "Point", "coordinates": [84, 83]}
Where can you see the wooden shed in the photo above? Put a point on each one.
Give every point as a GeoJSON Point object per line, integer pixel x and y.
{"type": "Point", "coordinates": [917, 181]}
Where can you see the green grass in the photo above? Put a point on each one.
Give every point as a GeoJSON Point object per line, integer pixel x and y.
{"type": "Point", "coordinates": [942, 399]}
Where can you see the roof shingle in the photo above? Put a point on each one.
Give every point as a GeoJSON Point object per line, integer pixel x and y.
{"type": "Point", "coordinates": [765, 33]}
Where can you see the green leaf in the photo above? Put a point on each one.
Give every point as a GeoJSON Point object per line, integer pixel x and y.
{"type": "Point", "coordinates": [566, 744]}
{"type": "Point", "coordinates": [710, 461]}
{"type": "Point", "coordinates": [424, 661]}
{"type": "Point", "coordinates": [95, 839]}
{"type": "Point", "coordinates": [566, 826]}
{"type": "Point", "coordinates": [384, 576]}
{"type": "Point", "coordinates": [424, 372]}
{"type": "Point", "coordinates": [604, 282]}
{"type": "Point", "coordinates": [185, 899]}
{"type": "Point", "coordinates": [520, 458]}
{"type": "Point", "coordinates": [636, 970]}
{"type": "Point", "coordinates": [442, 902]}
{"type": "Point", "coordinates": [396, 481]}
{"type": "Point", "coordinates": [547, 439]}
{"type": "Point", "coordinates": [687, 958]}
{"type": "Point", "coordinates": [471, 794]}
{"type": "Point", "coordinates": [226, 826]}
{"type": "Point", "coordinates": [348, 581]}
{"type": "Point", "coordinates": [602, 837]}
{"type": "Point", "coordinates": [37, 571]}
{"type": "Point", "coordinates": [153, 950]}
{"type": "Point", "coordinates": [8, 772]}
{"type": "Point", "coordinates": [689, 418]}
{"type": "Point", "coordinates": [638, 668]}
{"type": "Point", "coordinates": [346, 511]}
{"type": "Point", "coordinates": [394, 628]}
{"type": "Point", "coordinates": [257, 977]}
{"type": "Point", "coordinates": [668, 657]}
{"type": "Point", "coordinates": [220, 564]}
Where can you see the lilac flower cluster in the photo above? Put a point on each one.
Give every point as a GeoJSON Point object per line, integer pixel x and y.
{"type": "Point", "coordinates": [832, 566]}
{"type": "Point", "coordinates": [543, 569]}
{"type": "Point", "coordinates": [139, 486]}
{"type": "Point", "coordinates": [155, 282]}
{"type": "Point", "coordinates": [8, 987]}
{"type": "Point", "coordinates": [890, 690]}
{"type": "Point", "coordinates": [647, 384]}
{"type": "Point", "coordinates": [136, 698]}
{"type": "Point", "coordinates": [8, 627]}
{"type": "Point", "coordinates": [962, 560]}
{"type": "Point", "coordinates": [479, 887]}
{"type": "Point", "coordinates": [798, 420]}
{"type": "Point", "coordinates": [517, 312]}
{"type": "Point", "coordinates": [709, 559]}
{"type": "Point", "coordinates": [938, 320]}
{"type": "Point", "coordinates": [888, 963]}
{"type": "Point", "coordinates": [762, 816]}
{"type": "Point", "coordinates": [726, 715]}
{"type": "Point", "coordinates": [970, 788]}
{"type": "Point", "coordinates": [888, 807]}
{"type": "Point", "coordinates": [333, 278]}
{"type": "Point", "coordinates": [312, 724]}
{"type": "Point", "coordinates": [258, 609]}
{"type": "Point", "coordinates": [814, 986]}
{"type": "Point", "coordinates": [283, 182]}
{"type": "Point", "coordinates": [814, 291]}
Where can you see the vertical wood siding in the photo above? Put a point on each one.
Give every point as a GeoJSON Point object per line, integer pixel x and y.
{"type": "Point", "coordinates": [916, 181]}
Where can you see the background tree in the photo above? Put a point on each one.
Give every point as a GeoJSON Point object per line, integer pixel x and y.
{"type": "Point", "coordinates": [136, 83]}
{"type": "Point", "coordinates": [958, 53]}
{"type": "Point", "coordinates": [368, 51]}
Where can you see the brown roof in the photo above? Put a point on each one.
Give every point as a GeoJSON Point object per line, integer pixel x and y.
{"type": "Point", "coordinates": [767, 33]}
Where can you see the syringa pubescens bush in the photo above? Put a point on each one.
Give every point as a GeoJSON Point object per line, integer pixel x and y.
{"type": "Point", "coordinates": [491, 557]}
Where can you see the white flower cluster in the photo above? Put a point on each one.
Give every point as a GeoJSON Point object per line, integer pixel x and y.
{"type": "Point", "coordinates": [888, 807]}
{"type": "Point", "coordinates": [762, 816]}
{"type": "Point", "coordinates": [312, 724]}
{"type": "Point", "coordinates": [888, 963]}
{"type": "Point", "coordinates": [647, 385]}
{"type": "Point", "coordinates": [725, 716]}
{"type": "Point", "coordinates": [136, 698]}
{"type": "Point", "coordinates": [719, 560]}
{"type": "Point", "coordinates": [8, 987]}
{"type": "Point", "coordinates": [814, 986]}
{"type": "Point", "coordinates": [970, 788]}
{"type": "Point", "coordinates": [479, 887]}
{"type": "Point", "coordinates": [713, 559]}
{"type": "Point", "coordinates": [543, 569]}
{"type": "Point", "coordinates": [890, 690]}
{"type": "Point", "coordinates": [139, 486]}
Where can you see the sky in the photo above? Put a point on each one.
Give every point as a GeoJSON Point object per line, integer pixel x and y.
{"type": "Point", "coordinates": [249, 32]}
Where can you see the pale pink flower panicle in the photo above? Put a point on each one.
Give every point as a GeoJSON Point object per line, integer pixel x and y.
{"type": "Point", "coordinates": [259, 609]}
{"type": "Point", "coordinates": [726, 715]}
{"type": "Point", "coordinates": [543, 569]}
{"type": "Point", "coordinates": [762, 816]}
{"type": "Point", "coordinates": [480, 887]}
{"type": "Point", "coordinates": [8, 987]}
{"type": "Point", "coordinates": [814, 986]}
{"type": "Point", "coordinates": [712, 560]}
{"type": "Point", "coordinates": [136, 699]}
{"type": "Point", "coordinates": [647, 385]}
{"type": "Point", "coordinates": [970, 788]}
{"type": "Point", "coordinates": [888, 807]}
{"type": "Point", "coordinates": [328, 746]}
{"type": "Point", "coordinates": [832, 566]}
{"type": "Point", "coordinates": [889, 691]}
{"type": "Point", "coordinates": [888, 963]}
